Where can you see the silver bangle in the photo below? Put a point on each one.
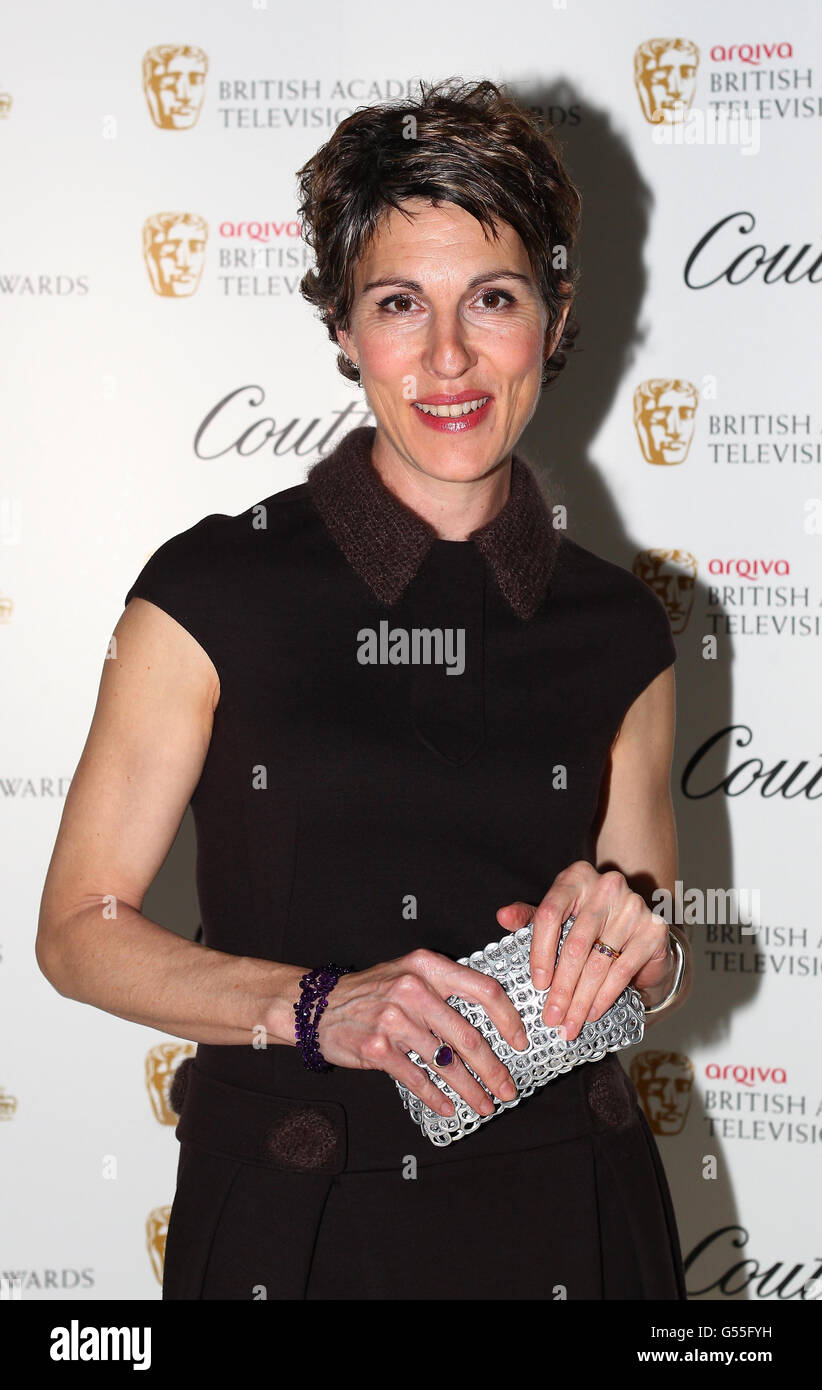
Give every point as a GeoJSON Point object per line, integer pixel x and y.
{"type": "Point", "coordinates": [674, 990]}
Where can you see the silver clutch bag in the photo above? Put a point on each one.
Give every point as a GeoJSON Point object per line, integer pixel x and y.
{"type": "Point", "coordinates": [547, 1055]}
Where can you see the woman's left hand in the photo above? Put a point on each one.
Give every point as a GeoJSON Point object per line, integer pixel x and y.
{"type": "Point", "coordinates": [587, 982]}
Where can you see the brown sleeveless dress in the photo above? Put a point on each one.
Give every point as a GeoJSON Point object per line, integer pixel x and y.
{"type": "Point", "coordinates": [334, 794]}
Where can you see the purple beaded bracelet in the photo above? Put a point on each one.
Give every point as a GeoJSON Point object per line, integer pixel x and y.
{"type": "Point", "coordinates": [315, 988]}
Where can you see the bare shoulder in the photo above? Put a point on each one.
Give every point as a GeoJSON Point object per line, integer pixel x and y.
{"type": "Point", "coordinates": [649, 723]}
{"type": "Point", "coordinates": [154, 654]}
{"type": "Point", "coordinates": [144, 754]}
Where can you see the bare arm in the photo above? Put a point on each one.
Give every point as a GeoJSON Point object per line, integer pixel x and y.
{"type": "Point", "coordinates": [142, 760]}
{"type": "Point", "coordinates": [637, 830]}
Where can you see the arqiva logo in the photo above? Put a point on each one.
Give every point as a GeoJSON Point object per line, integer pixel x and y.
{"type": "Point", "coordinates": [747, 569]}
{"type": "Point", "coordinates": [746, 1076]}
{"type": "Point", "coordinates": [261, 231]}
{"type": "Point", "coordinates": [750, 52]}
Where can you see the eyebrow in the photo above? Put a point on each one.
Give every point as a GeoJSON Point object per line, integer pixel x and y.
{"type": "Point", "coordinates": [501, 274]}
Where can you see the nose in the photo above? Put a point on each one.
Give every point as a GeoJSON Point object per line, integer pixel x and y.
{"type": "Point", "coordinates": [447, 353]}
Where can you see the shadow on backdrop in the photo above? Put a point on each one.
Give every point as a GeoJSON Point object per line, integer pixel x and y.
{"type": "Point", "coordinates": [616, 207]}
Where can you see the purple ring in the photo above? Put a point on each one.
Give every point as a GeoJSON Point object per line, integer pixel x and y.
{"type": "Point", "coordinates": [444, 1056]}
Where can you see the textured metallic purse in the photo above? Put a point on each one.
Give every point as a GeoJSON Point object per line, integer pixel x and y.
{"type": "Point", "coordinates": [547, 1055]}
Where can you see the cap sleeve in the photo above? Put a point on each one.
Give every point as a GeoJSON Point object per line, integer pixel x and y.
{"type": "Point", "coordinates": [652, 648]}
{"type": "Point", "coordinates": [180, 577]}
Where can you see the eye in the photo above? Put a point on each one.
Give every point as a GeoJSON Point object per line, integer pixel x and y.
{"type": "Point", "coordinates": [498, 294]}
{"type": "Point", "coordinates": [406, 298]}
{"type": "Point", "coordinates": [383, 304]}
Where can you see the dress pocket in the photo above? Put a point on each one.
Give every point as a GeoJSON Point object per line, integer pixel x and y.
{"type": "Point", "coordinates": [263, 1234]}
{"type": "Point", "coordinates": [204, 1184]}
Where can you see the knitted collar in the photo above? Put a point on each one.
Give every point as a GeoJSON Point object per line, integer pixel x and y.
{"type": "Point", "coordinates": [385, 541]}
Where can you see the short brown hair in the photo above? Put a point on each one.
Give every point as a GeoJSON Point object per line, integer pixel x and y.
{"type": "Point", "coordinates": [472, 145]}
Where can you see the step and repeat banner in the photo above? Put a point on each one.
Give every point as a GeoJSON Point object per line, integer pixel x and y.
{"type": "Point", "coordinates": [159, 365]}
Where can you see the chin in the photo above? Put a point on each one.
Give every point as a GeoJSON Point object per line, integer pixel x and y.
{"type": "Point", "coordinates": [454, 470]}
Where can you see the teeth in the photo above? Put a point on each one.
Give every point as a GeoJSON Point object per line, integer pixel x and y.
{"type": "Point", "coordinates": [452, 411]}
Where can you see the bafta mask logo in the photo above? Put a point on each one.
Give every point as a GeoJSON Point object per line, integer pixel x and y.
{"type": "Point", "coordinates": [664, 1083]}
{"type": "Point", "coordinates": [8, 1105]}
{"type": "Point", "coordinates": [162, 1062]}
{"type": "Point", "coordinates": [5, 105]}
{"type": "Point", "coordinates": [174, 249]}
{"type": "Point", "coordinates": [174, 82]}
{"type": "Point", "coordinates": [156, 1232]}
{"type": "Point", "coordinates": [665, 76]}
{"type": "Point", "coordinates": [672, 576]}
{"type": "Point", "coordinates": [664, 416]}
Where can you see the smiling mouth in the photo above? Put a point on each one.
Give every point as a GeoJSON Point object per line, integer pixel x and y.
{"type": "Point", "coordinates": [452, 412]}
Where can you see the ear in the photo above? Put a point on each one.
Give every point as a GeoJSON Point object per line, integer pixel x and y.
{"type": "Point", "coordinates": [552, 339]}
{"type": "Point", "coordinates": [345, 341]}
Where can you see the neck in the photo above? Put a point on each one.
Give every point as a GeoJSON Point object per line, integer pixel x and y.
{"type": "Point", "coordinates": [455, 508]}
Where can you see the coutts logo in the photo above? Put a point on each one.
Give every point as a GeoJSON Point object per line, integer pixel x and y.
{"type": "Point", "coordinates": [778, 780]}
{"type": "Point", "coordinates": [231, 427]}
{"type": "Point", "coordinates": [714, 1259]}
{"type": "Point", "coordinates": [716, 256]}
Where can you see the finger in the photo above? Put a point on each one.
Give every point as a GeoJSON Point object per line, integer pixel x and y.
{"type": "Point", "coordinates": [459, 1078]}
{"type": "Point", "coordinates": [619, 977]}
{"type": "Point", "coordinates": [515, 915]}
{"type": "Point", "coordinates": [470, 1045]}
{"type": "Point", "coordinates": [398, 1065]}
{"type": "Point", "coordinates": [637, 955]}
{"type": "Point", "coordinates": [598, 973]}
{"type": "Point", "coordinates": [589, 924]}
{"type": "Point", "coordinates": [425, 1043]}
{"type": "Point", "coordinates": [648, 942]}
{"type": "Point", "coordinates": [658, 965]}
{"type": "Point", "coordinates": [556, 907]}
{"type": "Point", "coordinates": [484, 989]}
{"type": "Point", "coordinates": [419, 996]}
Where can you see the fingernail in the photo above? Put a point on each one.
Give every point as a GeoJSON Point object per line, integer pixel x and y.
{"type": "Point", "coordinates": [552, 1014]}
{"type": "Point", "coordinates": [507, 1090]}
{"type": "Point", "coordinates": [521, 1038]}
{"type": "Point", "coordinates": [540, 978]}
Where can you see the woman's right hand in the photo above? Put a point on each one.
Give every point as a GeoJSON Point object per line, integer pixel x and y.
{"type": "Point", "coordinates": [375, 1016]}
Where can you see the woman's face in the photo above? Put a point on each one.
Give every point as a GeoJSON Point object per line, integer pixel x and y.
{"type": "Point", "coordinates": [441, 311]}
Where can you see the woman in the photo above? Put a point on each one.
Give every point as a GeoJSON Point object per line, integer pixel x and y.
{"type": "Point", "coordinates": [357, 807]}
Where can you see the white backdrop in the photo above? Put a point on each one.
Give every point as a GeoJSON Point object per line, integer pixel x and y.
{"type": "Point", "coordinates": [110, 367]}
